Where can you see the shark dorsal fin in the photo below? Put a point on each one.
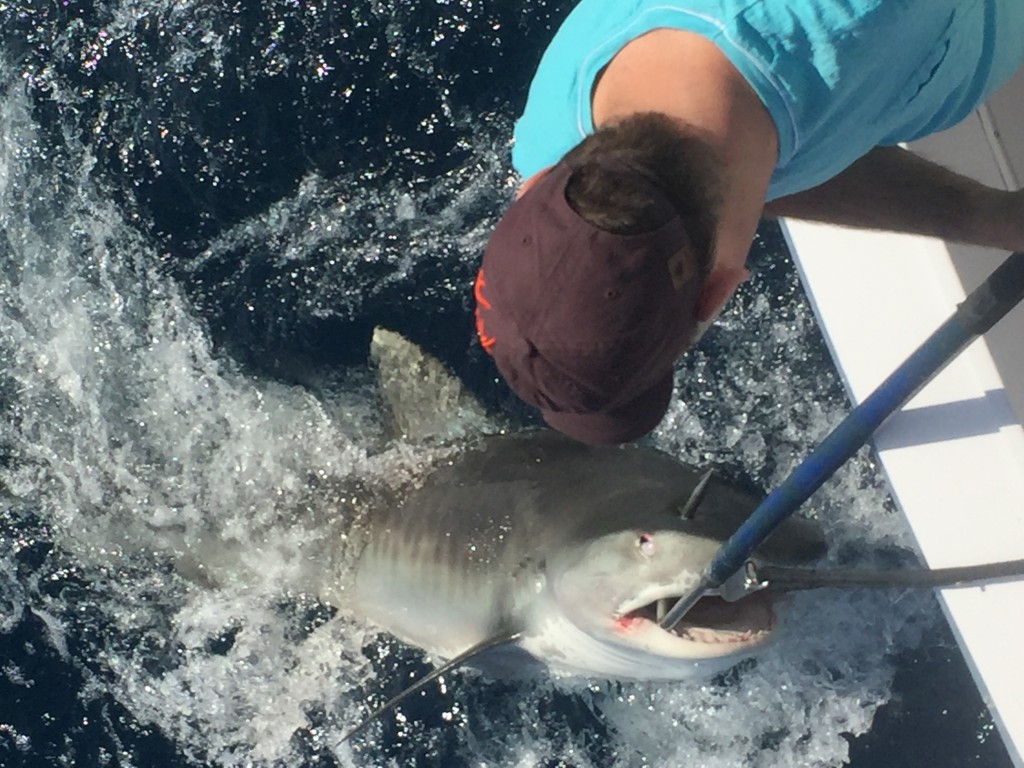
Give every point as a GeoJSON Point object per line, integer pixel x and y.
{"type": "Point", "coordinates": [502, 638]}
{"type": "Point", "coordinates": [426, 401]}
{"type": "Point", "coordinates": [690, 507]}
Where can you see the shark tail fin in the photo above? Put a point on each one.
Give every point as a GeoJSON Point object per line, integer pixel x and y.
{"type": "Point", "coordinates": [503, 638]}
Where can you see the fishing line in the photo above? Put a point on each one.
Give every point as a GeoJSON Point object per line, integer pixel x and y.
{"type": "Point", "coordinates": [783, 579]}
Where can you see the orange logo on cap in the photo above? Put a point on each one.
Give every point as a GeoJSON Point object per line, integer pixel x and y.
{"type": "Point", "coordinates": [481, 303]}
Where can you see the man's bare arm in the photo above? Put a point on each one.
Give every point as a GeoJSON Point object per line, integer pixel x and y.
{"type": "Point", "coordinates": [893, 189]}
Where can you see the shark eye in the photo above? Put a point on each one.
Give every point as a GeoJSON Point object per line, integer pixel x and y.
{"type": "Point", "coordinates": [646, 544]}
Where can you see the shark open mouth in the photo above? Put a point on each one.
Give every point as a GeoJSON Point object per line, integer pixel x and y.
{"type": "Point", "coordinates": [712, 619]}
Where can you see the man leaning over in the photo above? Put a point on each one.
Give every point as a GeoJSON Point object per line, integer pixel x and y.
{"type": "Point", "coordinates": [656, 135]}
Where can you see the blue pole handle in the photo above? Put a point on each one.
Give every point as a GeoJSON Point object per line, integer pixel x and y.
{"type": "Point", "coordinates": [982, 309]}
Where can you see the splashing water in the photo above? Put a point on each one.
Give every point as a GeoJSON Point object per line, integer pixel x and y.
{"type": "Point", "coordinates": [203, 211]}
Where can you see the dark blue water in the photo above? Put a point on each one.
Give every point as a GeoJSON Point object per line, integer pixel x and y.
{"type": "Point", "coordinates": [206, 208]}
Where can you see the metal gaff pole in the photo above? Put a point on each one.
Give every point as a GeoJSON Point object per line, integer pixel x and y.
{"type": "Point", "coordinates": [984, 307]}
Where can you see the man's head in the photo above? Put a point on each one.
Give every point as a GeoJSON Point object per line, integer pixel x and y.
{"type": "Point", "coordinates": [591, 284]}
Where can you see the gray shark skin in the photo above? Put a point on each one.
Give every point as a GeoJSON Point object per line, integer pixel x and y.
{"type": "Point", "coordinates": [568, 552]}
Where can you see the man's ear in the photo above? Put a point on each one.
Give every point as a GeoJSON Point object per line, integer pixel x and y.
{"type": "Point", "coordinates": [719, 285]}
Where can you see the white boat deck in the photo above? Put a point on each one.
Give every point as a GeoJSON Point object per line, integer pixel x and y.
{"type": "Point", "coordinates": [954, 456]}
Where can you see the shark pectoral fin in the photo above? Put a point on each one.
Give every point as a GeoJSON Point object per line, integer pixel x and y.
{"type": "Point", "coordinates": [502, 638]}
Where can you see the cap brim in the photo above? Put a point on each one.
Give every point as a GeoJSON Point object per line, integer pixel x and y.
{"type": "Point", "coordinates": [628, 422]}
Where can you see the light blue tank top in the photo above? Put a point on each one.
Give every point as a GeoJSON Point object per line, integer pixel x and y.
{"type": "Point", "coordinates": [837, 76]}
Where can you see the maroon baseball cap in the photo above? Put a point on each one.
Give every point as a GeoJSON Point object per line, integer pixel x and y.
{"type": "Point", "coordinates": [584, 324]}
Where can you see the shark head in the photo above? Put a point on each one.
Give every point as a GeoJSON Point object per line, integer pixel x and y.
{"type": "Point", "coordinates": [608, 593]}
{"type": "Point", "coordinates": [635, 550]}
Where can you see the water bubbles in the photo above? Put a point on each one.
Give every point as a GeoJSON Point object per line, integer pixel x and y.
{"type": "Point", "coordinates": [405, 208]}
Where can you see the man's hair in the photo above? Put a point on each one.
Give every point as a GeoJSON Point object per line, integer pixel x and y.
{"type": "Point", "coordinates": [660, 153]}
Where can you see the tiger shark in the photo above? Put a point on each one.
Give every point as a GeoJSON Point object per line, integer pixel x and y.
{"type": "Point", "coordinates": [564, 553]}
{"type": "Point", "coordinates": [575, 549]}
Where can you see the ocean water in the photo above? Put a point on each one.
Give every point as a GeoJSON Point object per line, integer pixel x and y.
{"type": "Point", "coordinates": [204, 210]}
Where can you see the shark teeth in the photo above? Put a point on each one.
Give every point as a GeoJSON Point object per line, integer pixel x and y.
{"type": "Point", "coordinates": [718, 636]}
{"type": "Point", "coordinates": [714, 620]}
